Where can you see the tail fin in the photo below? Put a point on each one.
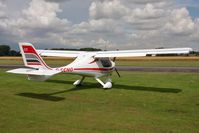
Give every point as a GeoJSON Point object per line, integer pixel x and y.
{"type": "Point", "coordinates": [31, 58]}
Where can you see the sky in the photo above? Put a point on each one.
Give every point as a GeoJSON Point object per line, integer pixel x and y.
{"type": "Point", "coordinates": [110, 24]}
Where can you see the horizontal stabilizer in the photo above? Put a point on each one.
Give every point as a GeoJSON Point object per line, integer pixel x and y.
{"type": "Point", "coordinates": [33, 72]}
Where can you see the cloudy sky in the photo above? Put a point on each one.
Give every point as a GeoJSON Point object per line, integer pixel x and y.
{"type": "Point", "coordinates": [114, 24]}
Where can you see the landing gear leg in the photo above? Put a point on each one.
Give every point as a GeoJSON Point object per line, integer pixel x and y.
{"type": "Point", "coordinates": [79, 82]}
{"type": "Point", "coordinates": [108, 83]}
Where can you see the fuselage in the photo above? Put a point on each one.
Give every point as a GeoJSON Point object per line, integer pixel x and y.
{"type": "Point", "coordinates": [87, 65]}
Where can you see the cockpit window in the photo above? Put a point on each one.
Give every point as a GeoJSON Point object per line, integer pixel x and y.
{"type": "Point", "coordinates": [106, 63]}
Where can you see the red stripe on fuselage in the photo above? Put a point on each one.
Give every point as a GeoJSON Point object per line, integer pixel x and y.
{"type": "Point", "coordinates": [30, 49]}
{"type": "Point", "coordinates": [34, 64]}
{"type": "Point", "coordinates": [95, 69]}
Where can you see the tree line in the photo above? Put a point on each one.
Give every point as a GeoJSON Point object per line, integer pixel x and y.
{"type": "Point", "coordinates": [81, 49]}
{"type": "Point", "coordinates": [5, 50]}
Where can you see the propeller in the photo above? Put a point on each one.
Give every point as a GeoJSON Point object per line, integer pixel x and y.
{"type": "Point", "coordinates": [114, 59]}
{"type": "Point", "coordinates": [117, 72]}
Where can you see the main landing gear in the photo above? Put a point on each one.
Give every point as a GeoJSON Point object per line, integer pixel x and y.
{"type": "Point", "coordinates": [106, 85]}
{"type": "Point", "coordinates": [79, 82]}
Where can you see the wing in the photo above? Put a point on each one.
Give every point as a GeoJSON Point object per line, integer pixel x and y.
{"type": "Point", "coordinates": [140, 53]}
{"type": "Point", "coordinates": [122, 53]}
{"type": "Point", "coordinates": [59, 53]}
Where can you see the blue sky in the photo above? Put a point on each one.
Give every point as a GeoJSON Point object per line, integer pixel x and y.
{"type": "Point", "coordinates": [116, 24]}
{"type": "Point", "coordinates": [194, 12]}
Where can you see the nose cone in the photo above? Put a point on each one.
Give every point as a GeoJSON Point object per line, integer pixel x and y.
{"type": "Point", "coordinates": [113, 64]}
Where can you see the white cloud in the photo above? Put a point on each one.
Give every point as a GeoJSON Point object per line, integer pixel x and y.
{"type": "Point", "coordinates": [149, 12]}
{"type": "Point", "coordinates": [147, 18]}
{"type": "Point", "coordinates": [103, 44]}
{"type": "Point", "coordinates": [124, 24]}
{"type": "Point", "coordinates": [38, 21]}
{"type": "Point", "coordinates": [107, 9]}
{"type": "Point", "coordinates": [143, 18]}
{"type": "Point", "coordinates": [2, 13]}
{"type": "Point", "coordinates": [105, 26]}
{"type": "Point", "coordinates": [141, 1]}
{"type": "Point", "coordinates": [5, 28]}
{"type": "Point", "coordinates": [180, 22]}
{"type": "Point", "coordinates": [42, 14]}
{"type": "Point", "coordinates": [57, 0]}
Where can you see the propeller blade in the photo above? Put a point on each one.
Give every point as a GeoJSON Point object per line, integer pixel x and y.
{"type": "Point", "coordinates": [117, 72]}
{"type": "Point", "coordinates": [114, 59]}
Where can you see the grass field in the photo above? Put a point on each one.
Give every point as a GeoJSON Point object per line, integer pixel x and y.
{"type": "Point", "coordinates": [138, 102]}
{"type": "Point", "coordinates": [144, 61]}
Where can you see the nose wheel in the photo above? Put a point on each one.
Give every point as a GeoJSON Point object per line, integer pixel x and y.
{"type": "Point", "coordinates": [106, 85]}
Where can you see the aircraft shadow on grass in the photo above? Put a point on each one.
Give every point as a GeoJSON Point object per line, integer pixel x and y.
{"type": "Point", "coordinates": [88, 85]}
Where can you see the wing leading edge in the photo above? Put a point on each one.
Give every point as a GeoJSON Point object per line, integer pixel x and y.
{"type": "Point", "coordinates": [141, 53]}
{"type": "Point", "coordinates": [122, 53]}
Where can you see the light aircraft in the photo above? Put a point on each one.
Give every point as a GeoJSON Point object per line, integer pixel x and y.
{"type": "Point", "coordinates": [86, 64]}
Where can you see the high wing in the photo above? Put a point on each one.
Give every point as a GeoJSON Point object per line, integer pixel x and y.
{"type": "Point", "coordinates": [140, 53]}
{"type": "Point", "coordinates": [122, 53]}
{"type": "Point", "coordinates": [59, 53]}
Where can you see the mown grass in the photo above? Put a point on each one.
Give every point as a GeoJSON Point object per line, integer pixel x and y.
{"type": "Point", "coordinates": [188, 63]}
{"type": "Point", "coordinates": [138, 102]}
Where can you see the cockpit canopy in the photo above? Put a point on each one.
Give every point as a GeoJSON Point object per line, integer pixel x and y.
{"type": "Point", "coordinates": [106, 62]}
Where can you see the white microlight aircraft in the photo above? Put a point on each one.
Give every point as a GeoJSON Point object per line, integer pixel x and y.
{"type": "Point", "coordinates": [86, 64]}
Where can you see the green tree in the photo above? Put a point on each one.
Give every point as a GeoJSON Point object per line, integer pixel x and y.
{"type": "Point", "coordinates": [4, 50]}
{"type": "Point", "coordinates": [14, 53]}
{"type": "Point", "coordinates": [90, 49]}
{"type": "Point", "coordinates": [81, 49]}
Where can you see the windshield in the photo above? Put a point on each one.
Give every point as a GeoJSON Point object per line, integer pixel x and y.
{"type": "Point", "coordinates": [106, 63]}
